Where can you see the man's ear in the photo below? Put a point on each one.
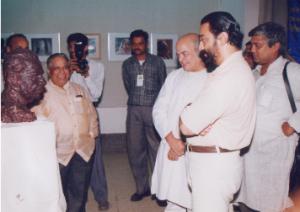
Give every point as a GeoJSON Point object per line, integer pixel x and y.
{"type": "Point", "coordinates": [276, 47]}
{"type": "Point", "coordinates": [223, 38]}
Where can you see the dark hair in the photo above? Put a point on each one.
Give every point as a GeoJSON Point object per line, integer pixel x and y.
{"type": "Point", "coordinates": [53, 56]}
{"type": "Point", "coordinates": [139, 33]}
{"type": "Point", "coordinates": [17, 35]}
{"type": "Point", "coordinates": [224, 22]}
{"type": "Point", "coordinates": [78, 37]}
{"type": "Point", "coordinates": [274, 32]}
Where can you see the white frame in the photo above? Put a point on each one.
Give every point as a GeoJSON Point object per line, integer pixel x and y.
{"type": "Point", "coordinates": [55, 38]}
{"type": "Point", "coordinates": [153, 48]}
{"type": "Point", "coordinates": [96, 45]}
{"type": "Point", "coordinates": [111, 42]}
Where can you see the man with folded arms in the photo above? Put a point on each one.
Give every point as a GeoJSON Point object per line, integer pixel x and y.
{"type": "Point", "coordinates": [221, 119]}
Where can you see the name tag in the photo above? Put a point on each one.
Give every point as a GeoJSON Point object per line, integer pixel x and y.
{"type": "Point", "coordinates": [139, 80]}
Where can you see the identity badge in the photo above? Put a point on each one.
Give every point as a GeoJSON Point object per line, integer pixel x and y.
{"type": "Point", "coordinates": [139, 80]}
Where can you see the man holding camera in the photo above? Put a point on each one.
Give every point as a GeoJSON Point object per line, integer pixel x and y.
{"type": "Point", "coordinates": [90, 75]}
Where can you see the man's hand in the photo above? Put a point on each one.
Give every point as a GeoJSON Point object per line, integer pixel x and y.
{"type": "Point", "coordinates": [176, 145]}
{"type": "Point", "coordinates": [172, 155]}
{"type": "Point", "coordinates": [74, 66]}
{"type": "Point", "coordinates": [287, 129]}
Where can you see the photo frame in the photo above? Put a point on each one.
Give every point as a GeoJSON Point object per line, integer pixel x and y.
{"type": "Point", "coordinates": [163, 45]}
{"type": "Point", "coordinates": [44, 45]}
{"type": "Point", "coordinates": [118, 46]}
{"type": "Point", "coordinates": [94, 45]}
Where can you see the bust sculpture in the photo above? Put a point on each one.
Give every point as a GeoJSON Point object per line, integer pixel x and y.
{"type": "Point", "coordinates": [24, 85]}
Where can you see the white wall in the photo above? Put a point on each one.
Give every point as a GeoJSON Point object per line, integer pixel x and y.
{"type": "Point", "coordinates": [103, 16]}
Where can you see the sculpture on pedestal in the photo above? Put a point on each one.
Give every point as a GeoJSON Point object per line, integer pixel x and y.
{"type": "Point", "coordinates": [24, 85]}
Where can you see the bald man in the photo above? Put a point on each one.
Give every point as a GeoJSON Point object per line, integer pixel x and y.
{"type": "Point", "coordinates": [169, 180]}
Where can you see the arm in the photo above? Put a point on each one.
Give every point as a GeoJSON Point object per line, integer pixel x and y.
{"type": "Point", "coordinates": [293, 124]}
{"type": "Point", "coordinates": [209, 106]}
{"type": "Point", "coordinates": [125, 78]}
{"type": "Point", "coordinates": [162, 72]}
{"type": "Point", "coordinates": [93, 116]}
{"type": "Point", "coordinates": [95, 80]}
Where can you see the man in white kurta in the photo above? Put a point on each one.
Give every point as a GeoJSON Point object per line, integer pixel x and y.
{"type": "Point", "coordinates": [181, 87]}
{"type": "Point", "coordinates": [222, 117]}
{"type": "Point", "coordinates": [268, 163]}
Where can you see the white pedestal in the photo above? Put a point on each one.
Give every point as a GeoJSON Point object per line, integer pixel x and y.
{"type": "Point", "coordinates": [30, 175]}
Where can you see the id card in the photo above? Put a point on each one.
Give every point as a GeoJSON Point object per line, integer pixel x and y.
{"type": "Point", "coordinates": [139, 80]}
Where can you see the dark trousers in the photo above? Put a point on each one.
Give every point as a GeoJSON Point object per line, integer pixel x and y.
{"type": "Point", "coordinates": [98, 178]}
{"type": "Point", "coordinates": [142, 144]}
{"type": "Point", "coordinates": [75, 178]}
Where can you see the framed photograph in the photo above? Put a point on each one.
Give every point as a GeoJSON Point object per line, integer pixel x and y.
{"type": "Point", "coordinates": [118, 46]}
{"type": "Point", "coordinates": [44, 44]}
{"type": "Point", "coordinates": [94, 45]}
{"type": "Point", "coordinates": [163, 45]}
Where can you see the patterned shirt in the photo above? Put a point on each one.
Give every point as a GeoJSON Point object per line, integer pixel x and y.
{"type": "Point", "coordinates": [143, 82]}
{"type": "Point", "coordinates": [75, 120]}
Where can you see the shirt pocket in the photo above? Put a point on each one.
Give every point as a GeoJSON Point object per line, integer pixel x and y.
{"type": "Point", "coordinates": [79, 104]}
{"type": "Point", "coordinates": [264, 97]}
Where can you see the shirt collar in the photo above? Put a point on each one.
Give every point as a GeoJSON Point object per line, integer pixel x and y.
{"type": "Point", "coordinates": [65, 87]}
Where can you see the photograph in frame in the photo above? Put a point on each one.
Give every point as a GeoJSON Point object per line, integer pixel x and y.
{"type": "Point", "coordinates": [118, 46]}
{"type": "Point", "coordinates": [44, 45]}
{"type": "Point", "coordinates": [94, 46]}
{"type": "Point", "coordinates": [163, 45]}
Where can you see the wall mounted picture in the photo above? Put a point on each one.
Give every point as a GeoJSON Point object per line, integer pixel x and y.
{"type": "Point", "coordinates": [118, 46]}
{"type": "Point", "coordinates": [94, 45]}
{"type": "Point", "coordinates": [44, 44]}
{"type": "Point", "coordinates": [163, 45]}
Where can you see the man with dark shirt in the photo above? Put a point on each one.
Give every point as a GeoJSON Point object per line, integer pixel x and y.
{"type": "Point", "coordinates": [143, 76]}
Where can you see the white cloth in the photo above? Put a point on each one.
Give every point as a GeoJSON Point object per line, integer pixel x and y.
{"type": "Point", "coordinates": [92, 83]}
{"type": "Point", "coordinates": [171, 207]}
{"type": "Point", "coordinates": [169, 177]}
{"type": "Point", "coordinates": [215, 177]}
{"type": "Point", "coordinates": [227, 102]}
{"type": "Point", "coordinates": [268, 163]}
{"type": "Point", "coordinates": [30, 174]}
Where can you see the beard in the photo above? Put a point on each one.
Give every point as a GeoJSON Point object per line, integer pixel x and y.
{"type": "Point", "coordinates": [208, 60]}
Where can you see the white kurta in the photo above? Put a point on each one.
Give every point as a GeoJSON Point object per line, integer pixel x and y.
{"type": "Point", "coordinates": [169, 177]}
{"type": "Point", "coordinates": [268, 163]}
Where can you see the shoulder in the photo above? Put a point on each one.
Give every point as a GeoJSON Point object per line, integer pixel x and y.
{"type": "Point", "coordinates": [128, 61]}
{"type": "Point", "coordinates": [155, 58]}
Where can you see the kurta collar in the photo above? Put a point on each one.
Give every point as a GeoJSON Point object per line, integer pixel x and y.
{"type": "Point", "coordinates": [231, 59]}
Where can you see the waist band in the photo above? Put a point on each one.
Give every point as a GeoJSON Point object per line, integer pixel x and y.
{"type": "Point", "coordinates": [207, 149]}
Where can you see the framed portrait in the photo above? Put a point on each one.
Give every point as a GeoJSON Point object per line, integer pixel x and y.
{"type": "Point", "coordinates": [163, 45]}
{"type": "Point", "coordinates": [94, 45]}
{"type": "Point", "coordinates": [118, 46]}
{"type": "Point", "coordinates": [44, 44]}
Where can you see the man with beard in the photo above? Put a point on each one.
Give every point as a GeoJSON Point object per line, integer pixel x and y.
{"type": "Point", "coordinates": [143, 76]}
{"type": "Point", "coordinates": [221, 120]}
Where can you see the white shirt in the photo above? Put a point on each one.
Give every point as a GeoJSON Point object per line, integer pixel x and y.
{"type": "Point", "coordinates": [169, 177]}
{"type": "Point", "coordinates": [227, 102]}
{"type": "Point", "coordinates": [93, 83]}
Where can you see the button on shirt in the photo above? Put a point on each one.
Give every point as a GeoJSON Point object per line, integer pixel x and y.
{"type": "Point", "coordinates": [154, 74]}
{"type": "Point", "coordinates": [227, 102]}
{"type": "Point", "coordinates": [75, 120]}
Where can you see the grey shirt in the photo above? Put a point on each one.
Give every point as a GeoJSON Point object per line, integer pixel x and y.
{"type": "Point", "coordinates": [152, 74]}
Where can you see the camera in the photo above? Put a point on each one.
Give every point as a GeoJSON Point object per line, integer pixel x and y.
{"type": "Point", "coordinates": [79, 53]}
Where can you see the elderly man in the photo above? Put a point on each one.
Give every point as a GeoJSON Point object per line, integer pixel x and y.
{"type": "Point", "coordinates": [69, 107]}
{"type": "Point", "coordinates": [268, 163]}
{"type": "Point", "coordinates": [222, 117]}
{"type": "Point", "coordinates": [181, 87]}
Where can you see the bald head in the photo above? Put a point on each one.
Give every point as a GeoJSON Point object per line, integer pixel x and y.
{"type": "Point", "coordinates": [187, 50]}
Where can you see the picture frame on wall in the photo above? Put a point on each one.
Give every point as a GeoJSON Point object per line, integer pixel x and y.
{"type": "Point", "coordinates": [118, 46]}
{"type": "Point", "coordinates": [94, 46]}
{"type": "Point", "coordinates": [163, 45]}
{"type": "Point", "coordinates": [44, 45]}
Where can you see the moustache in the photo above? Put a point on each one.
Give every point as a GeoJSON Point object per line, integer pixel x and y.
{"type": "Point", "coordinates": [208, 60]}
